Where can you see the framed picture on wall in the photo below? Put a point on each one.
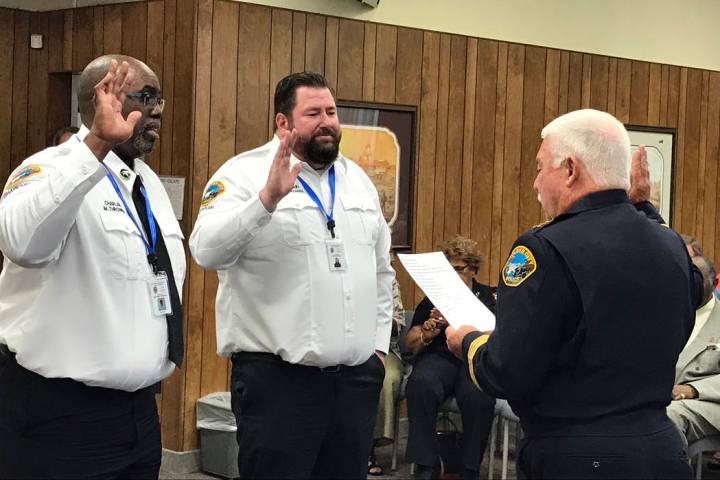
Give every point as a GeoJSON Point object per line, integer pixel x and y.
{"type": "Point", "coordinates": [381, 139]}
{"type": "Point", "coordinates": [660, 146]}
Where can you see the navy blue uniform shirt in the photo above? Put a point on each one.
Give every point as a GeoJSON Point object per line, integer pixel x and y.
{"type": "Point", "coordinates": [593, 310]}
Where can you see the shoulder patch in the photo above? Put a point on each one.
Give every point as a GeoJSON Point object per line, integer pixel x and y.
{"type": "Point", "coordinates": [214, 190]}
{"type": "Point", "coordinates": [22, 175]}
{"type": "Point", "coordinates": [519, 266]}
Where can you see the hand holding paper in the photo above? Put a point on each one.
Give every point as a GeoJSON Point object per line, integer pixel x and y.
{"type": "Point", "coordinates": [434, 275]}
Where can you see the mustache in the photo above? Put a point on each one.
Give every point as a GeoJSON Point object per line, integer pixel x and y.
{"type": "Point", "coordinates": [326, 131]}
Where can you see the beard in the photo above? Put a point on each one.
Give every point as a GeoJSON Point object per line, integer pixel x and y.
{"type": "Point", "coordinates": [143, 142]}
{"type": "Point", "coordinates": [320, 153]}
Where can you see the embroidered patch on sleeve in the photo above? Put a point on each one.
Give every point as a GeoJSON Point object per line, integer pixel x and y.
{"type": "Point", "coordinates": [214, 190]}
{"type": "Point", "coordinates": [21, 176]}
{"type": "Point", "coordinates": [519, 266]}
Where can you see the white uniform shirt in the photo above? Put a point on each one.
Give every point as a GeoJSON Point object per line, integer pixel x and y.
{"type": "Point", "coordinates": [277, 293]}
{"type": "Point", "coordinates": [74, 297]}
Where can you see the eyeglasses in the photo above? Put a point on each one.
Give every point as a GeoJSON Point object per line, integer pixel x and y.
{"type": "Point", "coordinates": [147, 99]}
{"type": "Point", "coordinates": [459, 268]}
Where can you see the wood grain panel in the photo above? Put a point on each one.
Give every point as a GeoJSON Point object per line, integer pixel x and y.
{"type": "Point", "coordinates": [331, 50]}
{"type": "Point", "coordinates": [280, 55]}
{"type": "Point", "coordinates": [612, 84]}
{"type": "Point", "coordinates": [664, 93]}
{"type": "Point", "coordinates": [676, 221]}
{"type": "Point", "coordinates": [563, 82]}
{"type": "Point", "coordinates": [712, 159]}
{"type": "Point", "coordinates": [168, 84]}
{"type": "Point", "coordinates": [575, 81]}
{"type": "Point", "coordinates": [622, 90]}
{"type": "Point", "coordinates": [7, 37]}
{"type": "Point", "coordinates": [513, 146]}
{"type": "Point", "coordinates": [134, 30]}
{"type": "Point", "coordinates": [533, 116]}
{"type": "Point", "coordinates": [69, 46]}
{"type": "Point", "coordinates": [654, 94]}
{"type": "Point", "coordinates": [369, 56]}
{"type": "Point", "coordinates": [586, 82]}
{"type": "Point", "coordinates": [599, 83]}
{"type": "Point", "coordinates": [112, 30]}
{"type": "Point", "coordinates": [299, 25]}
{"type": "Point", "coordinates": [552, 85]}
{"type": "Point", "coordinates": [484, 156]}
{"type": "Point", "coordinates": [427, 141]}
{"type": "Point", "coordinates": [468, 137]}
{"type": "Point", "coordinates": [441, 146]}
{"type": "Point", "coordinates": [496, 250]}
{"type": "Point", "coordinates": [385, 63]}
{"type": "Point", "coordinates": [350, 69]}
{"type": "Point", "coordinates": [83, 38]}
{"type": "Point", "coordinates": [253, 70]}
{"type": "Point", "coordinates": [409, 65]}
{"type": "Point", "coordinates": [55, 41]}
{"type": "Point", "coordinates": [154, 60]}
{"type": "Point", "coordinates": [98, 21]}
{"type": "Point", "coordinates": [315, 43]}
{"type": "Point", "coordinates": [640, 78]}
{"type": "Point", "coordinates": [37, 135]}
{"type": "Point", "coordinates": [454, 136]}
{"type": "Point", "coordinates": [691, 150]}
{"type": "Point", "coordinates": [702, 153]}
{"type": "Point", "coordinates": [18, 149]}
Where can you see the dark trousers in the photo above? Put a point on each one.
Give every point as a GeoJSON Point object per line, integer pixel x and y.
{"type": "Point", "coordinates": [60, 428]}
{"type": "Point", "coordinates": [296, 421]}
{"type": "Point", "coordinates": [433, 379]}
{"type": "Point", "coordinates": [656, 453]}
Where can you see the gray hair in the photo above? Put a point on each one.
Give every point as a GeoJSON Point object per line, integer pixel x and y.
{"type": "Point", "coordinates": [598, 140]}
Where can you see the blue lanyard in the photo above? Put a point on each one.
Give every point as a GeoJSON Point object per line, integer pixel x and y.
{"type": "Point", "coordinates": [314, 197]}
{"type": "Point", "coordinates": [149, 246]}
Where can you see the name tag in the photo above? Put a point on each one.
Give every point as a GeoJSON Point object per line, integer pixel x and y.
{"type": "Point", "coordinates": [337, 261]}
{"type": "Point", "coordinates": [160, 294]}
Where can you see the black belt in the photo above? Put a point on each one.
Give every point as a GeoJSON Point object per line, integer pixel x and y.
{"type": "Point", "coordinates": [276, 358]}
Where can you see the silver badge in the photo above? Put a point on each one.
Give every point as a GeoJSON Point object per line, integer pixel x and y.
{"type": "Point", "coordinates": [125, 173]}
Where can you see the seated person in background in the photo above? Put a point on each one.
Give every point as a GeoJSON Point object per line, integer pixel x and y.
{"type": "Point", "coordinates": [693, 246]}
{"type": "Point", "coordinates": [394, 369]}
{"type": "Point", "coordinates": [695, 408]}
{"type": "Point", "coordinates": [62, 135]}
{"type": "Point", "coordinates": [437, 374]}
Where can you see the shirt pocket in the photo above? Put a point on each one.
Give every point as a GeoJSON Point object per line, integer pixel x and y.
{"type": "Point", "coordinates": [295, 215]}
{"type": "Point", "coordinates": [362, 216]}
{"type": "Point", "coordinates": [174, 243]}
{"type": "Point", "coordinates": [123, 243]}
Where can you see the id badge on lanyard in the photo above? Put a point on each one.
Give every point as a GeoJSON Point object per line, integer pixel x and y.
{"type": "Point", "coordinates": [158, 285]}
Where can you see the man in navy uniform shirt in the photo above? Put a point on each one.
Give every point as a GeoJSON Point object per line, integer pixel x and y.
{"type": "Point", "coordinates": [593, 309]}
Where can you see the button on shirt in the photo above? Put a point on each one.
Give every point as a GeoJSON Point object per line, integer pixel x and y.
{"type": "Point", "coordinates": [277, 293]}
{"type": "Point", "coordinates": [74, 296]}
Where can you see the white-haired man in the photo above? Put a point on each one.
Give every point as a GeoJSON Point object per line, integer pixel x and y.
{"type": "Point", "coordinates": [593, 309]}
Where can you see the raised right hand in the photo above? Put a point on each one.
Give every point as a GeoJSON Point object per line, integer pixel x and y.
{"type": "Point", "coordinates": [281, 177]}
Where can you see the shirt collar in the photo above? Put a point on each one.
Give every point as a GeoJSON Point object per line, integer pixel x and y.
{"type": "Point", "coordinates": [115, 163]}
{"type": "Point", "coordinates": [599, 199]}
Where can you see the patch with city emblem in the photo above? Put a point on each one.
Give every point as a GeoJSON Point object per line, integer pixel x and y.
{"type": "Point", "coordinates": [519, 266]}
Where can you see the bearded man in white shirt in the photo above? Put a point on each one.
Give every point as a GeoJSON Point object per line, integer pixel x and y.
{"type": "Point", "coordinates": [304, 304]}
{"type": "Point", "coordinates": [90, 315]}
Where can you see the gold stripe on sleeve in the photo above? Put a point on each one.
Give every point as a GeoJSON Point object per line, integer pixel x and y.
{"type": "Point", "coordinates": [474, 347]}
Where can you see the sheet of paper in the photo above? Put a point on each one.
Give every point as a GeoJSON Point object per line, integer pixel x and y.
{"type": "Point", "coordinates": [443, 286]}
{"type": "Point", "coordinates": [175, 188]}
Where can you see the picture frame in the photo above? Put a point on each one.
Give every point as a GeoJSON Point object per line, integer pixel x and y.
{"type": "Point", "coordinates": [380, 138]}
{"type": "Point", "coordinates": [660, 146]}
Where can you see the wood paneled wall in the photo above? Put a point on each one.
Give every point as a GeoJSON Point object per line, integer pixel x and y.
{"type": "Point", "coordinates": [481, 105]}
